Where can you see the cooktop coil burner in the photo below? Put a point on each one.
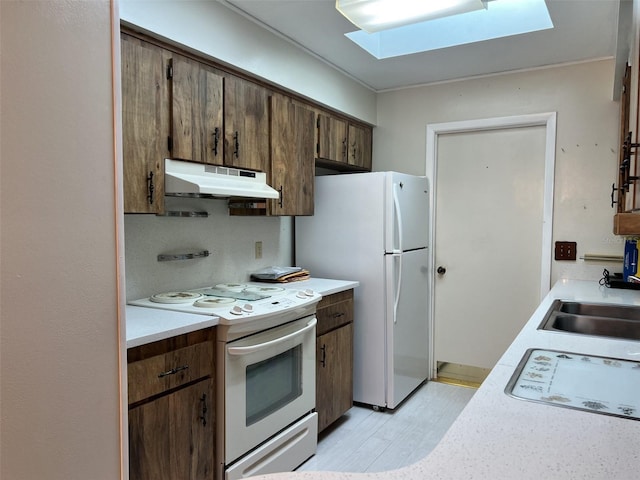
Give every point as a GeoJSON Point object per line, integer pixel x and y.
{"type": "Point", "coordinates": [213, 302]}
{"type": "Point", "coordinates": [175, 297]}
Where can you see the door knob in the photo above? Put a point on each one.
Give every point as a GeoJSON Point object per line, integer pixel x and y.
{"type": "Point", "coordinates": [441, 270]}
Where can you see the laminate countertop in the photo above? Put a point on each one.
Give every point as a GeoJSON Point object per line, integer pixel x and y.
{"type": "Point", "coordinates": [146, 325]}
{"type": "Point", "coordinates": [500, 437]}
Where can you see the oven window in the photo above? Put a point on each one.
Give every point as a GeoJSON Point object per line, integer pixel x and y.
{"type": "Point", "coordinates": [273, 383]}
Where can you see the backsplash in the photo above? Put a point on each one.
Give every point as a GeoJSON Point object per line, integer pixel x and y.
{"type": "Point", "coordinates": [230, 241]}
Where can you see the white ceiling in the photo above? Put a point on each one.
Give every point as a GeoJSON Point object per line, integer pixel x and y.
{"type": "Point", "coordinates": [584, 30]}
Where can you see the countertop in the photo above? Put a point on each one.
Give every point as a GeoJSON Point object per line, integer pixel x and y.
{"type": "Point", "coordinates": [500, 437]}
{"type": "Point", "coordinates": [146, 325]}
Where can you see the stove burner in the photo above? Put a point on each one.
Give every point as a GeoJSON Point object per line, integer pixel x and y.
{"type": "Point", "coordinates": [175, 297]}
{"type": "Point", "coordinates": [213, 302]}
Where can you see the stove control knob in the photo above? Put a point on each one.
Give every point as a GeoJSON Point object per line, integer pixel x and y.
{"type": "Point", "coordinates": [247, 308]}
{"type": "Point", "coordinates": [305, 293]}
{"type": "Point", "coordinates": [237, 310]}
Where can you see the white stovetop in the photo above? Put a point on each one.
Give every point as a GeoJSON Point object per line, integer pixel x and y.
{"type": "Point", "coordinates": [500, 437]}
{"type": "Point", "coordinates": [146, 325]}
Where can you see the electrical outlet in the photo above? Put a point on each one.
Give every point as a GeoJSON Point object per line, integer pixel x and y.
{"type": "Point", "coordinates": [566, 250]}
{"type": "Point", "coordinates": [258, 249]}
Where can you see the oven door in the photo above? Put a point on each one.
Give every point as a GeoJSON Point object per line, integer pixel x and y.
{"type": "Point", "coordinates": [269, 384]}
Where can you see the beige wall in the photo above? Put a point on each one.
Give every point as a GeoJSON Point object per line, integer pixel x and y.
{"type": "Point", "coordinates": [586, 150]}
{"type": "Point", "coordinates": [59, 373]}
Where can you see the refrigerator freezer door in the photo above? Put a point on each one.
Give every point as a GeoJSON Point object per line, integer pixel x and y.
{"type": "Point", "coordinates": [407, 279]}
{"type": "Point", "coordinates": [406, 212]}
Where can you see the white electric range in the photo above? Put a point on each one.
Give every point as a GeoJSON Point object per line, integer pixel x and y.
{"type": "Point", "coordinates": [265, 364]}
{"type": "Point", "coordinates": [238, 303]}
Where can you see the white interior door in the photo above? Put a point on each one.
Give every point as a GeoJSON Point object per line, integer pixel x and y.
{"type": "Point", "coordinates": [488, 232]}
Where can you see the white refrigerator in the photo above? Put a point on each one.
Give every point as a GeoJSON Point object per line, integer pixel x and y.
{"type": "Point", "coordinates": [373, 228]}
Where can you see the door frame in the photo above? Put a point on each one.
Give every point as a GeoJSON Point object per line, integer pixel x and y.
{"type": "Point", "coordinates": [434, 130]}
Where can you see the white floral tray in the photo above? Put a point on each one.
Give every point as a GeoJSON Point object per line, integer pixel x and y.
{"type": "Point", "coordinates": [602, 385]}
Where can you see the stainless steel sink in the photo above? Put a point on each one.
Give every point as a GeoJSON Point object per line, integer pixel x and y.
{"type": "Point", "coordinates": [597, 319]}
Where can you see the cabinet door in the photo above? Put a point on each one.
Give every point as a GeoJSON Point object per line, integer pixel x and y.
{"type": "Point", "coordinates": [292, 159]}
{"type": "Point", "coordinates": [246, 113]}
{"type": "Point", "coordinates": [196, 112]}
{"type": "Point", "coordinates": [332, 138]}
{"type": "Point", "coordinates": [334, 377]}
{"type": "Point", "coordinates": [145, 125]}
{"type": "Point", "coordinates": [173, 436]}
{"type": "Point", "coordinates": [359, 152]}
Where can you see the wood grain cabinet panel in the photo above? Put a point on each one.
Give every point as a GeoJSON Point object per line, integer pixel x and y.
{"type": "Point", "coordinates": [334, 357]}
{"type": "Point", "coordinates": [334, 377]}
{"type": "Point", "coordinates": [161, 372]}
{"type": "Point", "coordinates": [145, 125]}
{"type": "Point", "coordinates": [171, 408]}
{"type": "Point", "coordinates": [292, 157]}
{"type": "Point", "coordinates": [173, 436]}
{"type": "Point", "coordinates": [197, 112]}
{"type": "Point", "coordinates": [342, 145]}
{"type": "Point", "coordinates": [332, 138]}
{"type": "Point", "coordinates": [359, 152]}
{"type": "Point", "coordinates": [246, 112]}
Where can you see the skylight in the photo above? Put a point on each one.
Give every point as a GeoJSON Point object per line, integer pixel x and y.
{"type": "Point", "coordinates": [502, 18]}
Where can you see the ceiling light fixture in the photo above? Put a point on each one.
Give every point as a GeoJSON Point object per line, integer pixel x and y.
{"type": "Point", "coordinates": [376, 15]}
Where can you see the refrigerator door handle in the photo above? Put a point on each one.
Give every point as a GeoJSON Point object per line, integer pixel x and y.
{"type": "Point", "coordinates": [398, 218]}
{"type": "Point", "coordinates": [398, 257]}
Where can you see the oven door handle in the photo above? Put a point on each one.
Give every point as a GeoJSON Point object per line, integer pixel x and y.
{"type": "Point", "coordinates": [261, 346]}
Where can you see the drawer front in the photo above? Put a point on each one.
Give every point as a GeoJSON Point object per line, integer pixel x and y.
{"type": "Point", "coordinates": [335, 298]}
{"type": "Point", "coordinates": [333, 316]}
{"type": "Point", "coordinates": [156, 374]}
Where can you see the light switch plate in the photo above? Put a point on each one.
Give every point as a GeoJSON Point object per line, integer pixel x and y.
{"type": "Point", "coordinates": [566, 250]}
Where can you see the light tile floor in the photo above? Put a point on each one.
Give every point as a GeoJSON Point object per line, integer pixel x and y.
{"type": "Point", "coordinates": [364, 440]}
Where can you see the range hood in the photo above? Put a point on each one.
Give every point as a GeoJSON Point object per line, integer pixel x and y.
{"type": "Point", "coordinates": [197, 179]}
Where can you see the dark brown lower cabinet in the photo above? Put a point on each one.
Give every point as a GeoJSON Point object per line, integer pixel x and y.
{"type": "Point", "coordinates": [172, 437]}
{"type": "Point", "coordinates": [172, 409]}
{"type": "Point", "coordinates": [334, 357]}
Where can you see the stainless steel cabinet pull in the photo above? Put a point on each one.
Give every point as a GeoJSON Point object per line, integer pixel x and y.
{"type": "Point", "coordinates": [182, 256]}
{"type": "Point", "coordinates": [173, 371]}
{"type": "Point", "coordinates": [203, 417]}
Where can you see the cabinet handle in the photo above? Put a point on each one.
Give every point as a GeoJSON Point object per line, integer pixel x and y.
{"type": "Point", "coordinates": [173, 371]}
{"type": "Point", "coordinates": [323, 360]}
{"type": "Point", "coordinates": [203, 417]}
{"type": "Point", "coordinates": [280, 196]}
{"type": "Point", "coordinates": [150, 188]}
{"type": "Point", "coordinates": [236, 143]}
{"type": "Point", "coordinates": [216, 140]}
{"type": "Point", "coordinates": [353, 151]}
{"type": "Point", "coordinates": [345, 148]}
{"type": "Point", "coordinates": [338, 315]}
